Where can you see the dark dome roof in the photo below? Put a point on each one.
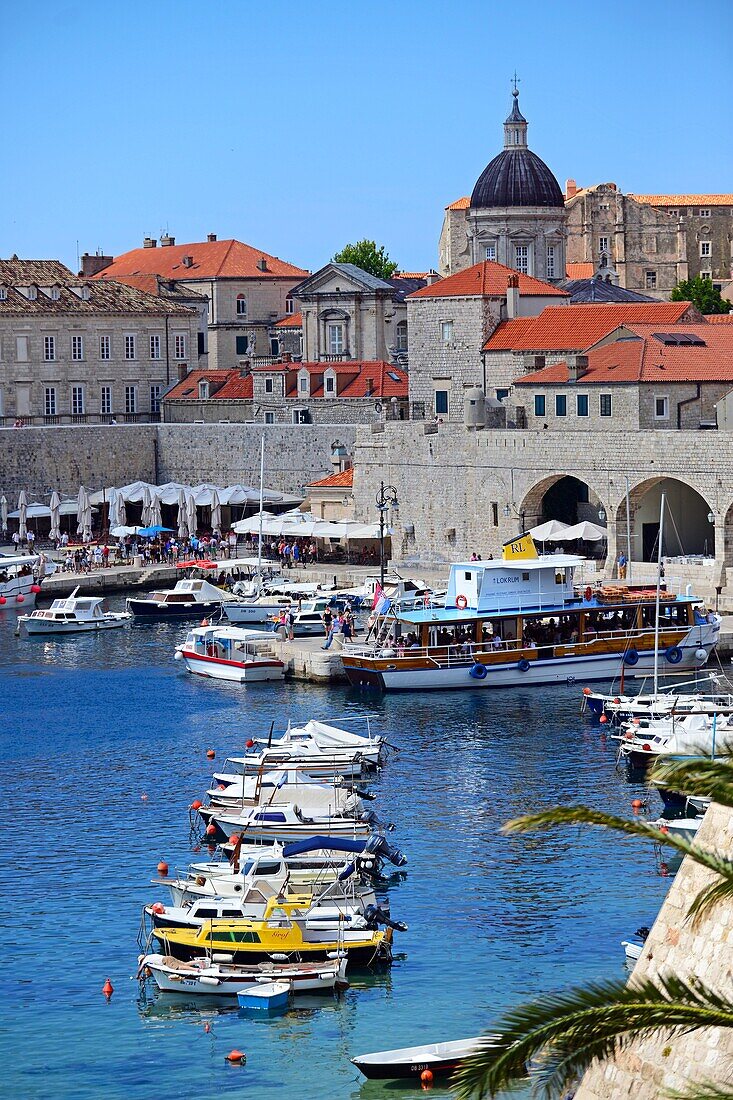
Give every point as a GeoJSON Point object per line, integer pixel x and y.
{"type": "Point", "coordinates": [517, 177]}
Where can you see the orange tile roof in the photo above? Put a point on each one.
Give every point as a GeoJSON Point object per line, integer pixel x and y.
{"type": "Point", "coordinates": [224, 385]}
{"type": "Point", "coordinates": [575, 328]}
{"type": "Point", "coordinates": [719, 318]}
{"type": "Point", "coordinates": [412, 274]}
{"type": "Point", "coordinates": [580, 271]}
{"type": "Point", "coordinates": [292, 320]}
{"type": "Point", "coordinates": [684, 200]}
{"type": "Point", "coordinates": [648, 360]}
{"type": "Point", "coordinates": [353, 379]}
{"type": "Point", "coordinates": [210, 260]}
{"type": "Point", "coordinates": [460, 204]}
{"type": "Point", "coordinates": [343, 479]}
{"type": "Point", "coordinates": [486, 280]}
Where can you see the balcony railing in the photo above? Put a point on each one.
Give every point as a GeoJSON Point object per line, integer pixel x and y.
{"type": "Point", "coordinates": [79, 418]}
{"type": "Point", "coordinates": [343, 357]}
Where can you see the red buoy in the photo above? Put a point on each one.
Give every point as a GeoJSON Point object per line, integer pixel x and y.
{"type": "Point", "coordinates": [663, 870]}
{"type": "Point", "coordinates": [20, 598]}
{"type": "Point", "coordinates": [603, 719]}
{"type": "Point", "coordinates": [143, 797]}
{"type": "Point", "coordinates": [108, 989]}
{"type": "Point", "coordinates": [36, 588]}
{"type": "Point", "coordinates": [157, 907]}
{"type": "Point", "coordinates": [222, 786]}
{"type": "Point", "coordinates": [617, 700]}
{"type": "Point", "coordinates": [236, 1057]}
{"type": "Point", "coordinates": [663, 829]}
{"type": "Point", "coordinates": [210, 753]}
{"type": "Point", "coordinates": [3, 601]}
{"type": "Point", "coordinates": [636, 804]}
{"type": "Point", "coordinates": [162, 868]}
{"type": "Point", "coordinates": [210, 829]}
{"type": "Point", "coordinates": [587, 691]}
{"type": "Point", "coordinates": [646, 748]}
{"type": "Point", "coordinates": [426, 1078]}
{"type": "Point", "coordinates": [207, 1026]}
{"type": "Point", "coordinates": [250, 744]}
{"type": "Point", "coordinates": [234, 838]}
{"type": "Point", "coordinates": [196, 804]}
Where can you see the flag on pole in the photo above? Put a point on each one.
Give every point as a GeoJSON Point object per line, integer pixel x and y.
{"type": "Point", "coordinates": [378, 593]}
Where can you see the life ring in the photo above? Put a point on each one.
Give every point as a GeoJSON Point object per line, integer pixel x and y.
{"type": "Point", "coordinates": [478, 671]}
{"type": "Point", "coordinates": [673, 654]}
{"type": "Point", "coordinates": [588, 593]}
{"type": "Point", "coordinates": [631, 657]}
{"type": "Point", "coordinates": [523, 665]}
{"type": "Point", "coordinates": [461, 603]}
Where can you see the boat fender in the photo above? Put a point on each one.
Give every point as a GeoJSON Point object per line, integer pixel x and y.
{"type": "Point", "coordinates": [588, 594]}
{"type": "Point", "coordinates": [701, 654]}
{"type": "Point", "coordinates": [478, 671]}
{"type": "Point", "coordinates": [631, 657]}
{"type": "Point", "coordinates": [673, 654]}
{"type": "Point", "coordinates": [523, 665]}
{"type": "Point", "coordinates": [461, 603]}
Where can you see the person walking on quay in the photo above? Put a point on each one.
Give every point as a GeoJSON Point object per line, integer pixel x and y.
{"type": "Point", "coordinates": [290, 623]}
{"type": "Point", "coordinates": [295, 552]}
{"type": "Point", "coordinates": [327, 618]}
{"type": "Point", "coordinates": [622, 564]}
{"type": "Point", "coordinates": [31, 540]}
{"type": "Point", "coordinates": [336, 627]}
{"type": "Point", "coordinates": [105, 556]}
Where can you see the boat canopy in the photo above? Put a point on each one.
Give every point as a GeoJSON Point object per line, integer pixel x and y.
{"type": "Point", "coordinates": [232, 633]}
{"type": "Point", "coordinates": [329, 843]}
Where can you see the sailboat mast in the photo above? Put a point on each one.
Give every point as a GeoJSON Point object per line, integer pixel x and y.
{"type": "Point", "coordinates": [656, 602]}
{"type": "Point", "coordinates": [628, 531]}
{"type": "Point", "coordinates": [262, 497]}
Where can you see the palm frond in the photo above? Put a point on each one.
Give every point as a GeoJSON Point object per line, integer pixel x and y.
{"type": "Point", "coordinates": [708, 898]}
{"type": "Point", "coordinates": [704, 1090]}
{"type": "Point", "coordinates": [708, 778]}
{"type": "Point", "coordinates": [558, 1035]}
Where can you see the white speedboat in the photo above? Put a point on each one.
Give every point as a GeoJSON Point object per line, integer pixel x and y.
{"type": "Point", "coordinates": [255, 608]}
{"type": "Point", "coordinates": [684, 738]}
{"type": "Point", "coordinates": [286, 785]}
{"type": "Point", "coordinates": [318, 748]}
{"type": "Point", "coordinates": [21, 577]}
{"type": "Point", "coordinates": [285, 821]}
{"type": "Point", "coordinates": [73, 615]}
{"type": "Point", "coordinates": [229, 653]}
{"type": "Point", "coordinates": [308, 619]}
{"type": "Point", "coordinates": [218, 976]}
{"type": "Point", "coordinates": [189, 597]}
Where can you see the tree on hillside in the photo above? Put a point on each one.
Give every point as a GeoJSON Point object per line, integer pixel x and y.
{"type": "Point", "coordinates": [553, 1040]}
{"type": "Point", "coordinates": [702, 294]}
{"type": "Point", "coordinates": [368, 257]}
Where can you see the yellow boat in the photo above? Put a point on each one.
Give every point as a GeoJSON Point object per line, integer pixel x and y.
{"type": "Point", "coordinates": [285, 933]}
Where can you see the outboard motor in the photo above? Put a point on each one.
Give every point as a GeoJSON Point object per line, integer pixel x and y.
{"type": "Point", "coordinates": [378, 846]}
{"type": "Point", "coordinates": [375, 917]}
{"type": "Point", "coordinates": [371, 818]}
{"type": "Point", "coordinates": [642, 933]}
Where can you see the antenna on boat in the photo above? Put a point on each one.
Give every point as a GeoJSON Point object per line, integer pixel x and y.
{"type": "Point", "coordinates": [269, 736]}
{"type": "Point", "coordinates": [656, 602]}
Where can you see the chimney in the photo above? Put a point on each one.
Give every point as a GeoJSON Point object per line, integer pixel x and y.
{"type": "Point", "coordinates": [432, 277]}
{"type": "Point", "coordinates": [577, 366]}
{"type": "Point", "coordinates": [539, 362]}
{"type": "Point", "coordinates": [167, 242]}
{"type": "Point", "coordinates": [512, 296]}
{"type": "Point", "coordinates": [369, 387]}
{"type": "Point", "coordinates": [90, 265]}
{"type": "Point", "coordinates": [211, 237]}
{"type": "Point", "coordinates": [182, 372]}
{"type": "Point", "coordinates": [149, 242]}
{"type": "Point", "coordinates": [188, 261]}
{"type": "Point", "coordinates": [245, 368]}
{"type": "Point", "coordinates": [287, 357]}
{"type": "Point", "coordinates": [571, 189]}
{"type": "Point", "coordinates": [262, 263]}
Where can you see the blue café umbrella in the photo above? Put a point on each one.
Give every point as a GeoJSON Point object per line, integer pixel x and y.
{"type": "Point", "coordinates": [149, 532]}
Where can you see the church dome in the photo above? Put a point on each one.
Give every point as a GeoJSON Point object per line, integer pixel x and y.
{"type": "Point", "coordinates": [517, 176]}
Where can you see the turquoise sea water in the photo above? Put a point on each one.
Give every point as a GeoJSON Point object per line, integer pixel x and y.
{"type": "Point", "coordinates": [88, 725]}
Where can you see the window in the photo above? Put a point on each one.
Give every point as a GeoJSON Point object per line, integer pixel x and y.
{"type": "Point", "coordinates": [441, 402]}
{"type": "Point", "coordinates": [329, 384]}
{"type": "Point", "coordinates": [77, 400]}
{"type": "Point", "coordinates": [201, 343]}
{"type": "Point", "coordinates": [241, 305]}
{"type": "Point", "coordinates": [269, 418]}
{"type": "Point", "coordinates": [539, 404]}
{"type": "Point", "coordinates": [494, 513]}
{"type": "Point", "coordinates": [704, 213]}
{"type": "Point", "coordinates": [581, 404]}
{"type": "Point", "coordinates": [49, 406]}
{"type": "Point", "coordinates": [269, 385]}
{"type": "Point", "coordinates": [155, 347]}
{"type": "Point", "coordinates": [49, 348]}
{"type": "Point", "coordinates": [705, 248]}
{"type": "Point", "coordinates": [706, 275]}
{"type": "Point", "coordinates": [180, 345]}
{"type": "Point", "coordinates": [55, 294]}
{"type": "Point", "coordinates": [130, 398]}
{"type": "Point", "coordinates": [661, 408]}
{"type": "Point", "coordinates": [303, 383]}
{"type": "Point", "coordinates": [130, 348]}
{"type": "Point", "coordinates": [550, 261]}
{"type": "Point", "coordinates": [335, 339]}
{"type": "Point", "coordinates": [651, 280]}
{"type": "Point", "coordinates": [603, 244]}
{"type": "Point", "coordinates": [491, 252]}
{"type": "Point", "coordinates": [77, 347]}
{"type": "Point", "coordinates": [21, 349]}
{"type": "Point", "coordinates": [105, 347]}
{"type": "Point", "coordinates": [521, 258]}
{"type": "Point", "coordinates": [561, 404]}
{"type": "Point", "coordinates": [446, 332]}
{"type": "Point", "coordinates": [241, 345]}
{"type": "Point", "coordinates": [401, 332]}
{"type": "Point", "coordinates": [289, 305]}
{"type": "Point", "coordinates": [3, 293]}
{"type": "Point", "coordinates": [155, 391]}
{"type": "Point", "coordinates": [274, 346]}
{"type": "Point", "coordinates": [604, 404]}
{"type": "Point", "coordinates": [105, 401]}
{"type": "Point", "coordinates": [501, 395]}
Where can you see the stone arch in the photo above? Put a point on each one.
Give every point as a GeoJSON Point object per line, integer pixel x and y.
{"type": "Point", "coordinates": [564, 497]}
{"type": "Point", "coordinates": [687, 529]}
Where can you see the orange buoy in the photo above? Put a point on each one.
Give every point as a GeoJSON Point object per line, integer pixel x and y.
{"type": "Point", "coordinates": [426, 1078]}
{"type": "Point", "coordinates": [108, 989]}
{"type": "Point", "coordinates": [162, 868]}
{"type": "Point", "coordinates": [250, 743]}
{"type": "Point", "coordinates": [207, 1026]}
{"type": "Point", "coordinates": [222, 786]}
{"type": "Point", "coordinates": [210, 753]}
{"type": "Point", "coordinates": [210, 829]}
{"type": "Point", "coordinates": [196, 804]}
{"type": "Point", "coordinates": [157, 907]}
{"type": "Point", "coordinates": [143, 797]}
{"type": "Point", "coordinates": [234, 838]}
{"type": "Point", "coordinates": [603, 719]}
{"type": "Point", "coordinates": [636, 804]}
{"type": "Point", "coordinates": [663, 829]}
{"type": "Point", "coordinates": [236, 1057]}
{"type": "Point", "coordinates": [204, 622]}
{"type": "Point", "coordinates": [587, 691]}
{"type": "Point", "coordinates": [20, 598]}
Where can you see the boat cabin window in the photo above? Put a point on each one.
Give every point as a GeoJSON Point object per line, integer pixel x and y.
{"type": "Point", "coordinates": [279, 919]}
{"type": "Point", "coordinates": [672, 616]}
{"type": "Point", "coordinates": [210, 913]}
{"type": "Point", "coordinates": [264, 868]}
{"type": "Point", "coordinates": [242, 937]}
{"type": "Point", "coordinates": [542, 630]}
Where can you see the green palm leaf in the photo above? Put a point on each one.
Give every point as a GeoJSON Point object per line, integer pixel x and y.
{"type": "Point", "coordinates": [708, 778]}
{"type": "Point", "coordinates": [559, 1035]}
{"type": "Point", "coordinates": [705, 1090]}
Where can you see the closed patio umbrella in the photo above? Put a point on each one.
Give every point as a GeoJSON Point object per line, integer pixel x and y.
{"type": "Point", "coordinates": [191, 517]}
{"type": "Point", "coordinates": [182, 526]}
{"type": "Point", "coordinates": [4, 512]}
{"type": "Point", "coordinates": [147, 502]}
{"type": "Point", "coordinates": [156, 518]}
{"type": "Point", "coordinates": [83, 515]}
{"type": "Point", "coordinates": [55, 506]}
{"type": "Point", "coordinates": [22, 515]}
{"type": "Point", "coordinates": [215, 511]}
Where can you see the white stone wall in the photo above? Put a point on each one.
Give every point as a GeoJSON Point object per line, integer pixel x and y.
{"type": "Point", "coordinates": [624, 407]}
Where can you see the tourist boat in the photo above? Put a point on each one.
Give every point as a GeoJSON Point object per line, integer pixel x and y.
{"type": "Point", "coordinates": [521, 621]}
{"type": "Point", "coordinates": [73, 615]}
{"type": "Point", "coordinates": [218, 976]}
{"type": "Point", "coordinates": [440, 1058]}
{"type": "Point", "coordinates": [21, 576]}
{"type": "Point", "coordinates": [280, 936]}
{"type": "Point", "coordinates": [189, 597]}
{"type": "Point", "coordinates": [689, 738]}
{"type": "Point", "coordinates": [228, 653]}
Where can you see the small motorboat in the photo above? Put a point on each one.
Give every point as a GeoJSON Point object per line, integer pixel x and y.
{"type": "Point", "coordinates": [633, 948]}
{"type": "Point", "coordinates": [317, 748]}
{"type": "Point", "coordinates": [689, 738]}
{"type": "Point", "coordinates": [230, 653]}
{"type": "Point", "coordinates": [285, 821]}
{"type": "Point", "coordinates": [217, 975]}
{"type": "Point", "coordinates": [236, 792]}
{"type": "Point", "coordinates": [73, 615]}
{"type": "Point", "coordinates": [189, 597]}
{"type": "Point", "coordinates": [21, 577]}
{"type": "Point", "coordinates": [440, 1058]}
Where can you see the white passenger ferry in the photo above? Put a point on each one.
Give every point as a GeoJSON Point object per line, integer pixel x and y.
{"type": "Point", "coordinates": [521, 620]}
{"type": "Point", "coordinates": [21, 576]}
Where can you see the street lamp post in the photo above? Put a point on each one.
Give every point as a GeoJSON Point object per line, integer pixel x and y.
{"type": "Point", "coordinates": [511, 508]}
{"type": "Point", "coordinates": [386, 498]}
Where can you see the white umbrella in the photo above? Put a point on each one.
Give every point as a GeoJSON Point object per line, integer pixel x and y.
{"type": "Point", "coordinates": [122, 531]}
{"type": "Point", "coordinates": [147, 512]}
{"type": "Point", "coordinates": [182, 527]}
{"type": "Point", "coordinates": [215, 511]}
{"type": "Point", "coordinates": [55, 508]}
{"type": "Point", "coordinates": [113, 513]}
{"type": "Point", "coordinates": [156, 519]}
{"type": "Point", "coordinates": [550, 531]}
{"type": "Point", "coordinates": [83, 514]}
{"type": "Point", "coordinates": [4, 512]}
{"type": "Point", "coordinates": [191, 517]}
{"type": "Point", "coordinates": [586, 530]}
{"type": "Point", "coordinates": [22, 515]}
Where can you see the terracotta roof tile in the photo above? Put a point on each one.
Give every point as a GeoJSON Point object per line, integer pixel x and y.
{"type": "Point", "coordinates": [292, 320]}
{"type": "Point", "coordinates": [159, 287]}
{"type": "Point", "coordinates": [684, 200]}
{"type": "Point", "coordinates": [41, 272]}
{"type": "Point", "coordinates": [103, 297]}
{"type": "Point", "coordinates": [210, 260]}
{"type": "Point", "coordinates": [719, 318]}
{"type": "Point", "coordinates": [345, 479]}
{"type": "Point", "coordinates": [386, 379]}
{"type": "Point", "coordinates": [486, 280]}
{"type": "Point", "coordinates": [580, 271]}
{"type": "Point", "coordinates": [575, 328]}
{"type": "Point", "coordinates": [460, 204]}
{"type": "Point", "coordinates": [223, 385]}
{"type": "Point", "coordinates": [412, 274]}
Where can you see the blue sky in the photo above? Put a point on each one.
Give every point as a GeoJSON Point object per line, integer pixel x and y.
{"type": "Point", "coordinates": [300, 126]}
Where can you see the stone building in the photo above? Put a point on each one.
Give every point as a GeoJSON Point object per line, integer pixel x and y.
{"type": "Point", "coordinates": [332, 497]}
{"type": "Point", "coordinates": [77, 351]}
{"type": "Point", "coordinates": [706, 222]}
{"type": "Point", "coordinates": [516, 214]}
{"type": "Point", "coordinates": [246, 289]}
{"type": "Point", "coordinates": [449, 323]}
